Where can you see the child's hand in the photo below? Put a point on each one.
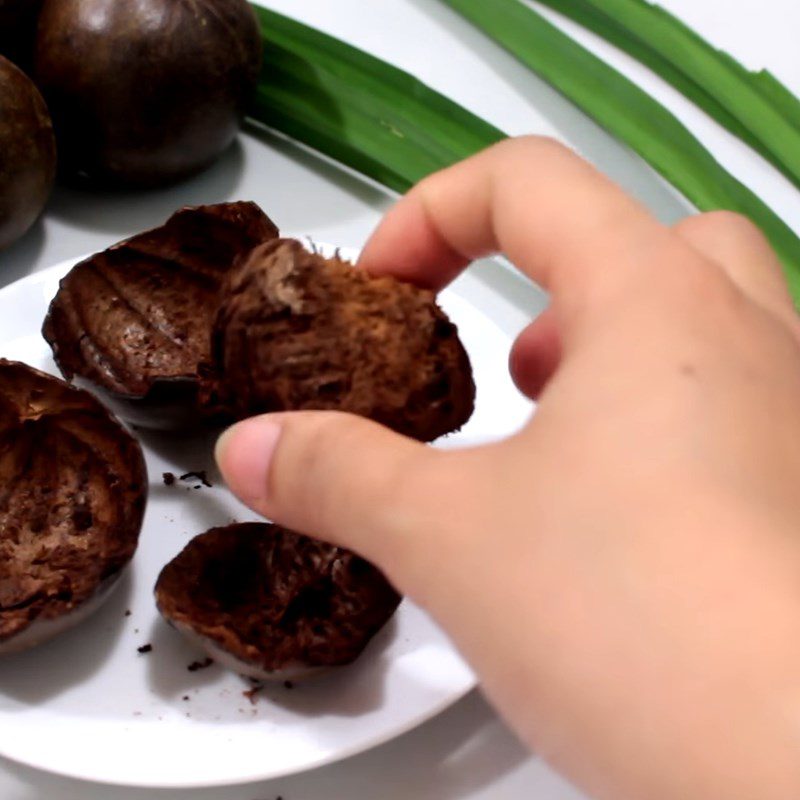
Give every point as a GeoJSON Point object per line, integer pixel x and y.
{"type": "Point", "coordinates": [624, 573]}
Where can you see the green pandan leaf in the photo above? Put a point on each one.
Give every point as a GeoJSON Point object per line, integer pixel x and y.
{"type": "Point", "coordinates": [386, 124]}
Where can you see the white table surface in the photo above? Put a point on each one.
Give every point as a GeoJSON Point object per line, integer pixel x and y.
{"type": "Point", "coordinates": [466, 752]}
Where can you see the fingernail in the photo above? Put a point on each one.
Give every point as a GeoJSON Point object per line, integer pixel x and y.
{"type": "Point", "coordinates": [244, 455]}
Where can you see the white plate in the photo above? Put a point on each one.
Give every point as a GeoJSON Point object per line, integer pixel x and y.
{"type": "Point", "coordinates": [88, 705]}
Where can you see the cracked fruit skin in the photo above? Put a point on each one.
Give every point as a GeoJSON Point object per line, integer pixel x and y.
{"type": "Point", "coordinates": [145, 93]}
{"type": "Point", "coordinates": [27, 153]}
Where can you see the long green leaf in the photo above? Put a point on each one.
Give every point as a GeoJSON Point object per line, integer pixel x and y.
{"type": "Point", "coordinates": [754, 106]}
{"type": "Point", "coordinates": [385, 123]}
{"type": "Point", "coordinates": [358, 109]}
{"type": "Point", "coordinates": [629, 114]}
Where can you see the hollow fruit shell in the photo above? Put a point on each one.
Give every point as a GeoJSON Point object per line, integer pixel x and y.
{"type": "Point", "coordinates": [133, 323]}
{"type": "Point", "coordinates": [273, 604]}
{"type": "Point", "coordinates": [73, 488]}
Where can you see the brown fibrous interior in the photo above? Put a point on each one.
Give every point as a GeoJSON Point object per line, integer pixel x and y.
{"type": "Point", "coordinates": [274, 598]}
{"type": "Point", "coordinates": [71, 499]}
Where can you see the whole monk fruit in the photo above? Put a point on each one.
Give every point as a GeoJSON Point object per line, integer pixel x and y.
{"type": "Point", "coordinates": [27, 153]}
{"type": "Point", "coordinates": [147, 92]}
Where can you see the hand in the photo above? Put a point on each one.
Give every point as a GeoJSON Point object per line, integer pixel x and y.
{"type": "Point", "coordinates": [624, 573]}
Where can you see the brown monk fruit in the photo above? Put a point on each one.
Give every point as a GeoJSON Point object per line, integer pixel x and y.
{"type": "Point", "coordinates": [272, 604]}
{"type": "Point", "coordinates": [27, 153]}
{"type": "Point", "coordinates": [299, 331]}
{"type": "Point", "coordinates": [134, 321]}
{"type": "Point", "coordinates": [146, 92]}
{"type": "Point", "coordinates": [73, 487]}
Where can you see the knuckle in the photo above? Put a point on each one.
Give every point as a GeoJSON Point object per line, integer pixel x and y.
{"type": "Point", "coordinates": [730, 221]}
{"type": "Point", "coordinates": [723, 224]}
{"type": "Point", "coordinates": [399, 491]}
{"type": "Point", "coordinates": [702, 282]}
{"type": "Point", "coordinates": [428, 490]}
{"type": "Point", "coordinates": [694, 283]}
{"type": "Point", "coordinates": [326, 483]}
{"type": "Point", "coordinates": [304, 453]}
{"type": "Point", "coordinates": [533, 145]}
{"type": "Point", "coordinates": [418, 503]}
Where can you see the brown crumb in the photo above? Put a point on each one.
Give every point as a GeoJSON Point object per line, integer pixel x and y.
{"type": "Point", "coordinates": [185, 697]}
{"type": "Point", "coordinates": [200, 475]}
{"type": "Point", "coordinates": [196, 665]}
{"type": "Point", "coordinates": [288, 684]}
{"type": "Point", "coordinates": [169, 479]}
{"type": "Point", "coordinates": [251, 694]}
{"type": "Point", "coordinates": [145, 648]}
{"type": "Point", "coordinates": [128, 613]}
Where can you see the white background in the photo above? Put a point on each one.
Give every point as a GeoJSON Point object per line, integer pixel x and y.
{"type": "Point", "coordinates": [466, 752]}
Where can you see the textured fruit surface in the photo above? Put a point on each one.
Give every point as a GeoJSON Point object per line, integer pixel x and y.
{"type": "Point", "coordinates": [297, 331]}
{"type": "Point", "coordinates": [27, 153]}
{"type": "Point", "coordinates": [73, 486]}
{"type": "Point", "coordinates": [145, 92]}
{"type": "Point", "coordinates": [274, 598]}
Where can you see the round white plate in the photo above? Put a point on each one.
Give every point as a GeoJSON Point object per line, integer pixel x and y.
{"type": "Point", "coordinates": [90, 706]}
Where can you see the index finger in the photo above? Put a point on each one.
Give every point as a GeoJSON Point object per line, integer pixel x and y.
{"type": "Point", "coordinates": [557, 219]}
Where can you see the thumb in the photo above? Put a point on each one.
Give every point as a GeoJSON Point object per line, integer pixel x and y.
{"type": "Point", "coordinates": [337, 477]}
